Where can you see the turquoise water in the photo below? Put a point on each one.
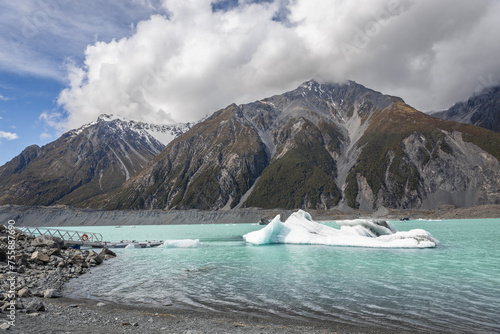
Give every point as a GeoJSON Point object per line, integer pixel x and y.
{"type": "Point", "coordinates": [454, 287]}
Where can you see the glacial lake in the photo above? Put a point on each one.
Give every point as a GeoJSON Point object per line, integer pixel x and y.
{"type": "Point", "coordinates": [454, 287]}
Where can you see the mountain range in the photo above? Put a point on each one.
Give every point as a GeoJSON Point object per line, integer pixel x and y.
{"type": "Point", "coordinates": [83, 163]}
{"type": "Point", "coordinates": [320, 146]}
{"type": "Point", "coordinates": [482, 109]}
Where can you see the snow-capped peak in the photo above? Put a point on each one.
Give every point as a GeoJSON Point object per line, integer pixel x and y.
{"type": "Point", "coordinates": [164, 133]}
{"type": "Point", "coordinates": [109, 118]}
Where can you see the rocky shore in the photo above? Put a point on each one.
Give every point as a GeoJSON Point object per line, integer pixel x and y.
{"type": "Point", "coordinates": [34, 269]}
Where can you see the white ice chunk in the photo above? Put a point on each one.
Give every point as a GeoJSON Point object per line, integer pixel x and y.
{"type": "Point", "coordinates": [376, 227]}
{"type": "Point", "coordinates": [184, 243]}
{"type": "Point", "coordinates": [299, 228]}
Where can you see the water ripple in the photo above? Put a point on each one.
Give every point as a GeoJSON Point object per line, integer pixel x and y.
{"type": "Point", "coordinates": [452, 288]}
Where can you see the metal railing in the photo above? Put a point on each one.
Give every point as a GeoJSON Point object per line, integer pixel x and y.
{"type": "Point", "coordinates": [78, 237]}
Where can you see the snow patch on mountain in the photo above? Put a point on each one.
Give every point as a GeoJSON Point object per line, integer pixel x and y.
{"type": "Point", "coordinates": [164, 133]}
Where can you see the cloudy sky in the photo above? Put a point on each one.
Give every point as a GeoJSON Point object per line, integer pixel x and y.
{"type": "Point", "coordinates": [63, 62]}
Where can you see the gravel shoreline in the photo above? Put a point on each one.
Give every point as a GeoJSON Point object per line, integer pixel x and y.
{"type": "Point", "coordinates": [64, 315]}
{"type": "Point", "coordinates": [54, 216]}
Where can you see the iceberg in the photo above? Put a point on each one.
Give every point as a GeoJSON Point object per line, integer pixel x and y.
{"type": "Point", "coordinates": [184, 243]}
{"type": "Point", "coordinates": [300, 228]}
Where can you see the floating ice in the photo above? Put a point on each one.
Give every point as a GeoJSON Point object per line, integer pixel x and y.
{"type": "Point", "coordinates": [428, 220]}
{"type": "Point", "coordinates": [299, 228]}
{"type": "Point", "coordinates": [184, 243]}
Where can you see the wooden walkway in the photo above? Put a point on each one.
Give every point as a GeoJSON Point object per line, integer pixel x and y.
{"type": "Point", "coordinates": [88, 239]}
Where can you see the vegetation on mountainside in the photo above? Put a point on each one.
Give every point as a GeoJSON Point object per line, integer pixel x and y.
{"type": "Point", "coordinates": [76, 167]}
{"type": "Point", "coordinates": [383, 149]}
{"type": "Point", "coordinates": [201, 169]}
{"type": "Point", "coordinates": [304, 177]}
{"type": "Point", "coordinates": [58, 175]}
{"type": "Point", "coordinates": [203, 191]}
{"type": "Point", "coordinates": [489, 141]}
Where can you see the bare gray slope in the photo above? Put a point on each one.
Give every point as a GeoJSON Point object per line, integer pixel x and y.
{"type": "Point", "coordinates": [65, 216]}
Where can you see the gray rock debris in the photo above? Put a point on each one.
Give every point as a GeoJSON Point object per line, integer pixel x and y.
{"type": "Point", "coordinates": [40, 268]}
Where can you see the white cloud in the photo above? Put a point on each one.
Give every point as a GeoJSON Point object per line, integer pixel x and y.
{"type": "Point", "coordinates": [8, 135]}
{"type": "Point", "coordinates": [4, 98]}
{"type": "Point", "coordinates": [53, 119]}
{"type": "Point", "coordinates": [45, 136]}
{"type": "Point", "coordinates": [185, 66]}
{"type": "Point", "coordinates": [54, 124]}
{"type": "Point", "coordinates": [38, 35]}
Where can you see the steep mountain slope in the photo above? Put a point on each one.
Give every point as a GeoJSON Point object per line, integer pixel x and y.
{"type": "Point", "coordinates": [319, 146]}
{"type": "Point", "coordinates": [482, 110]}
{"type": "Point", "coordinates": [412, 160]}
{"type": "Point", "coordinates": [211, 165]}
{"type": "Point", "coordinates": [82, 163]}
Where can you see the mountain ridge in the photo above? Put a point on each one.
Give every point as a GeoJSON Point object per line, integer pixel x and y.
{"type": "Point", "coordinates": [319, 146]}
{"type": "Point", "coordinates": [82, 163]}
{"type": "Point", "coordinates": [482, 109]}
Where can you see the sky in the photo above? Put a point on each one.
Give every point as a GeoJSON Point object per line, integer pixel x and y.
{"type": "Point", "coordinates": [63, 63]}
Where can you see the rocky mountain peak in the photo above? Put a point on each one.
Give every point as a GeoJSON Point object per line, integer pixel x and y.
{"type": "Point", "coordinates": [108, 117]}
{"type": "Point", "coordinates": [88, 161]}
{"type": "Point", "coordinates": [482, 109]}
